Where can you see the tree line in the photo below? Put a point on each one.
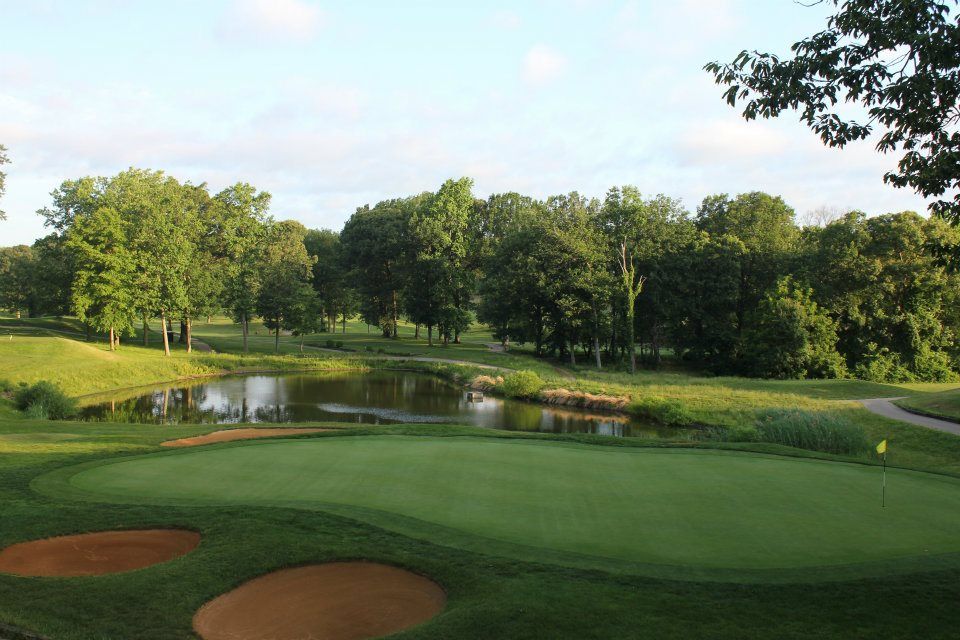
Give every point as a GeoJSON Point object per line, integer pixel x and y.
{"type": "Point", "coordinates": [734, 287]}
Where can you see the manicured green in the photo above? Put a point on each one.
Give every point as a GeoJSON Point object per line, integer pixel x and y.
{"type": "Point", "coordinates": [669, 507]}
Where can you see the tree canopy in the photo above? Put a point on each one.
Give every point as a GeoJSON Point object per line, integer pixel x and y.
{"type": "Point", "coordinates": [880, 66]}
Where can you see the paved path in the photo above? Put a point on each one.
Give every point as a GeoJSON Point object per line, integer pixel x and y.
{"type": "Point", "coordinates": [885, 407]}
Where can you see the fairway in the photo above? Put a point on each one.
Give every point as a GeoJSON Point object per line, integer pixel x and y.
{"type": "Point", "coordinates": [716, 510]}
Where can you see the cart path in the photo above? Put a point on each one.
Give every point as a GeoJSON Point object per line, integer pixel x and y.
{"type": "Point", "coordinates": [885, 407]}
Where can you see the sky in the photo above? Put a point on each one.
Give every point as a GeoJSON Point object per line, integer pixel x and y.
{"type": "Point", "coordinates": [332, 105]}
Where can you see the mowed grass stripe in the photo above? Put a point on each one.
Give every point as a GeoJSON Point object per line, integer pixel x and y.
{"type": "Point", "coordinates": [689, 508]}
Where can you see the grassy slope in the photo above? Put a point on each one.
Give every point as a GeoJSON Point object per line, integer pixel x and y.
{"type": "Point", "coordinates": [489, 596]}
{"type": "Point", "coordinates": [945, 404]}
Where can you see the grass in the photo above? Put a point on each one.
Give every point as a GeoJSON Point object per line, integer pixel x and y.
{"type": "Point", "coordinates": [761, 512]}
{"type": "Point", "coordinates": [945, 404]}
{"type": "Point", "coordinates": [489, 595]}
{"type": "Point", "coordinates": [497, 587]}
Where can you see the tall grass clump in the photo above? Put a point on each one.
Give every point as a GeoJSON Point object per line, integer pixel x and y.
{"type": "Point", "coordinates": [663, 410]}
{"type": "Point", "coordinates": [812, 430]}
{"type": "Point", "coordinates": [45, 400]}
{"type": "Point", "coordinates": [522, 384]}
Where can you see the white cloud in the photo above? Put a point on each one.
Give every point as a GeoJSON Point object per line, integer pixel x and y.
{"type": "Point", "coordinates": [542, 65]}
{"type": "Point", "coordinates": [730, 141]}
{"type": "Point", "coordinates": [277, 20]}
{"type": "Point", "coordinates": [507, 20]}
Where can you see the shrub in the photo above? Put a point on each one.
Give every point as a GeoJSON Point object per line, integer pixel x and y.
{"type": "Point", "coordinates": [812, 430]}
{"type": "Point", "coordinates": [45, 400]}
{"type": "Point", "coordinates": [663, 410]}
{"type": "Point", "coordinates": [522, 384]}
{"type": "Point", "coordinates": [339, 344]}
{"type": "Point", "coordinates": [6, 386]}
{"type": "Point", "coordinates": [330, 344]}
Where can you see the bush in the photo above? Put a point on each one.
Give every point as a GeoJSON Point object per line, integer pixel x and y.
{"type": "Point", "coordinates": [522, 384]}
{"type": "Point", "coordinates": [45, 400]}
{"type": "Point", "coordinates": [815, 431]}
{"type": "Point", "coordinates": [339, 344]}
{"type": "Point", "coordinates": [6, 386]}
{"type": "Point", "coordinates": [665, 411]}
{"type": "Point", "coordinates": [330, 344]}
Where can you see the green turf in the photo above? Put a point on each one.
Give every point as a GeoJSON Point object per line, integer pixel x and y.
{"type": "Point", "coordinates": [689, 508]}
{"type": "Point", "coordinates": [944, 404]}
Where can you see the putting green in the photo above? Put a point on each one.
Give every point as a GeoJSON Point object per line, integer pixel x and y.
{"type": "Point", "coordinates": [692, 508]}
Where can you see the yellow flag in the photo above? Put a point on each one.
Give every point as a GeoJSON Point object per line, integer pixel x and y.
{"type": "Point", "coordinates": [882, 447]}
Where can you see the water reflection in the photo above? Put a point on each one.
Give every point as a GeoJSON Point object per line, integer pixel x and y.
{"type": "Point", "coordinates": [385, 397]}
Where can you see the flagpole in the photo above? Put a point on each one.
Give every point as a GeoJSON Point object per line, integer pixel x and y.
{"type": "Point", "coordinates": [883, 491]}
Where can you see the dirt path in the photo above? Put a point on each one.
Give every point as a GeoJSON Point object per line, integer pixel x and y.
{"type": "Point", "coordinates": [885, 407]}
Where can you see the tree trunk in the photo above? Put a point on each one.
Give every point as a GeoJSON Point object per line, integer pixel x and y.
{"type": "Point", "coordinates": [189, 325]}
{"type": "Point", "coordinates": [116, 340]}
{"type": "Point", "coordinates": [245, 326]}
{"type": "Point", "coordinates": [430, 335]}
{"type": "Point", "coordinates": [18, 314]}
{"type": "Point", "coordinates": [146, 331]}
{"type": "Point", "coordinates": [276, 338]}
{"type": "Point", "coordinates": [573, 352]}
{"type": "Point", "coordinates": [396, 317]}
{"type": "Point", "coordinates": [301, 343]}
{"type": "Point", "coordinates": [112, 347]}
{"type": "Point", "coordinates": [456, 336]}
{"type": "Point", "coordinates": [87, 325]}
{"type": "Point", "coordinates": [416, 334]}
{"type": "Point", "coordinates": [183, 331]}
{"type": "Point", "coordinates": [166, 336]}
{"type": "Point", "coordinates": [343, 323]}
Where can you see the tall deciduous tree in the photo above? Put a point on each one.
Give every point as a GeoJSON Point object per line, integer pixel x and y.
{"type": "Point", "coordinates": [373, 241]}
{"type": "Point", "coordinates": [286, 270]}
{"type": "Point", "coordinates": [242, 217]}
{"type": "Point", "coordinates": [104, 292]}
{"type": "Point", "coordinates": [17, 266]}
{"type": "Point", "coordinates": [899, 61]}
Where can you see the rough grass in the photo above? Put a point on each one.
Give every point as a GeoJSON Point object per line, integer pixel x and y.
{"type": "Point", "coordinates": [943, 404]}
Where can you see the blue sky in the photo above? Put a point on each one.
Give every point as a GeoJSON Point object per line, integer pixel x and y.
{"type": "Point", "coordinates": [331, 105]}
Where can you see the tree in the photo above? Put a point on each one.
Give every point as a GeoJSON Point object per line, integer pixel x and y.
{"type": "Point", "coordinates": [374, 241]}
{"type": "Point", "coordinates": [17, 266]}
{"type": "Point", "coordinates": [104, 292]}
{"type": "Point", "coordinates": [4, 159]}
{"type": "Point", "coordinates": [242, 216]}
{"type": "Point", "coordinates": [52, 275]}
{"type": "Point", "coordinates": [792, 337]}
{"type": "Point", "coordinates": [763, 226]}
{"type": "Point", "coordinates": [896, 60]}
{"type": "Point", "coordinates": [439, 280]}
{"type": "Point", "coordinates": [329, 275]}
{"type": "Point", "coordinates": [286, 270]}
{"type": "Point", "coordinates": [638, 232]}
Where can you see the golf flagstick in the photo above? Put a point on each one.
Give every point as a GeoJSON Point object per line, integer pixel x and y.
{"type": "Point", "coordinates": [882, 450]}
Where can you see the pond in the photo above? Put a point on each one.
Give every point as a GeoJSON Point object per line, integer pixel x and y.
{"type": "Point", "coordinates": [381, 397]}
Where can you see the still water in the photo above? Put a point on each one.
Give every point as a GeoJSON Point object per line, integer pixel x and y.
{"type": "Point", "coordinates": [383, 397]}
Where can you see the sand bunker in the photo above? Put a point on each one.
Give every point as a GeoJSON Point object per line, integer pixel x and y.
{"type": "Point", "coordinates": [228, 435]}
{"type": "Point", "coordinates": [94, 554]}
{"type": "Point", "coordinates": [335, 601]}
